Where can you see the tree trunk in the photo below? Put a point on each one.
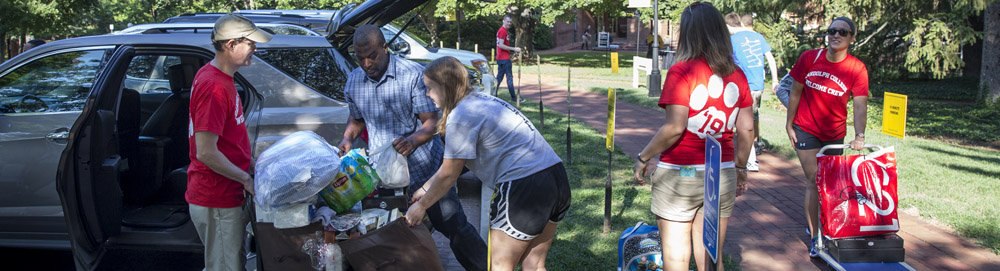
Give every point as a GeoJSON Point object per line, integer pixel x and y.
{"type": "Point", "coordinates": [3, 44]}
{"type": "Point", "coordinates": [989, 79]}
{"type": "Point", "coordinates": [430, 23]}
{"type": "Point", "coordinates": [524, 28]}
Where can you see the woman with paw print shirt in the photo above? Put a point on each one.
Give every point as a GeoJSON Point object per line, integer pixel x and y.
{"type": "Point", "coordinates": [825, 79]}
{"type": "Point", "coordinates": [705, 95]}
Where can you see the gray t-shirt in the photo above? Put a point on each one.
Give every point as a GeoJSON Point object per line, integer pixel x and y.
{"type": "Point", "coordinates": [500, 143]}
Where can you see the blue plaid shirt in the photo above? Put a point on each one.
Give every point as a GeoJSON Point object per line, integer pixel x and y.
{"type": "Point", "coordinates": [389, 108]}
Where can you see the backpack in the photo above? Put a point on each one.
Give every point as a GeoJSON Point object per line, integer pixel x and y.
{"type": "Point", "coordinates": [785, 84]}
{"type": "Point", "coordinates": [638, 242]}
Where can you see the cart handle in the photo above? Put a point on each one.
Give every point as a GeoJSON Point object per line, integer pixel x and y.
{"type": "Point", "coordinates": [845, 146]}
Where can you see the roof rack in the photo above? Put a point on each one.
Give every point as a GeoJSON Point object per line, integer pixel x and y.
{"type": "Point", "coordinates": [190, 14]}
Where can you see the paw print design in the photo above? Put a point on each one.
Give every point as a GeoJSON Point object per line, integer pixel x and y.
{"type": "Point", "coordinates": [711, 120]}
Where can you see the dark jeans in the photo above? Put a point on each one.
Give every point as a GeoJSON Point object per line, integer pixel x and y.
{"type": "Point", "coordinates": [448, 217]}
{"type": "Point", "coordinates": [505, 67]}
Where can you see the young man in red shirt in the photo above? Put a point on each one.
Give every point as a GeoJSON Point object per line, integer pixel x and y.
{"type": "Point", "coordinates": [219, 145]}
{"type": "Point", "coordinates": [504, 66]}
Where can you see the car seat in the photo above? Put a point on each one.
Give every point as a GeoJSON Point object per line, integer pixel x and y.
{"type": "Point", "coordinates": [164, 137]}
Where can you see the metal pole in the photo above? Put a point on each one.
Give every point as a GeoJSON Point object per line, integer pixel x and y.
{"type": "Point", "coordinates": [458, 18]}
{"type": "Point", "coordinates": [710, 264]}
{"type": "Point", "coordinates": [541, 102]}
{"type": "Point", "coordinates": [654, 76]}
{"type": "Point", "coordinates": [520, 61]}
{"type": "Point", "coordinates": [607, 198]}
{"type": "Point", "coordinates": [569, 117]}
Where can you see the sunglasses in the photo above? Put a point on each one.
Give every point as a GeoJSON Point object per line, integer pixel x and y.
{"type": "Point", "coordinates": [843, 32]}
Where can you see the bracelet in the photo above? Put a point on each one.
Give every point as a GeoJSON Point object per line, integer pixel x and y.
{"type": "Point", "coordinates": [741, 170]}
{"type": "Point", "coordinates": [639, 157]}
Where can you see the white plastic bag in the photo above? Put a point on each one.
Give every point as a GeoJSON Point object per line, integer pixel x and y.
{"type": "Point", "coordinates": [391, 167]}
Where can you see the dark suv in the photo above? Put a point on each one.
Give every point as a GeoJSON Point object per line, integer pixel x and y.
{"type": "Point", "coordinates": [93, 130]}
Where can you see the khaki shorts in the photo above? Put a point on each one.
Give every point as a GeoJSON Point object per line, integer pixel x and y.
{"type": "Point", "coordinates": [677, 198]}
{"type": "Point", "coordinates": [221, 230]}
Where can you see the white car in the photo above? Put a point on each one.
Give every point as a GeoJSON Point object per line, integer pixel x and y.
{"type": "Point", "coordinates": [414, 48]}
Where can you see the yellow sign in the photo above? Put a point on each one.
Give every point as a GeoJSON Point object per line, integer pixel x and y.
{"type": "Point", "coordinates": [894, 115]}
{"type": "Point", "coordinates": [610, 144]}
{"type": "Point", "coordinates": [614, 62]}
{"type": "Point", "coordinates": [450, 16]}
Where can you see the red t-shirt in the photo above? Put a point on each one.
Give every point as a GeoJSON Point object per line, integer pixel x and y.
{"type": "Point", "coordinates": [502, 34]}
{"type": "Point", "coordinates": [713, 103]}
{"type": "Point", "coordinates": [216, 108]}
{"type": "Point", "coordinates": [828, 86]}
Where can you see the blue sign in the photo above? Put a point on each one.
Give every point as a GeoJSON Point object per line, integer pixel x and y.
{"type": "Point", "coordinates": [713, 161]}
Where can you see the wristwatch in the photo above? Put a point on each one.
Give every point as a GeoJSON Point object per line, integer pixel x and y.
{"type": "Point", "coordinates": [741, 170]}
{"type": "Point", "coordinates": [861, 135]}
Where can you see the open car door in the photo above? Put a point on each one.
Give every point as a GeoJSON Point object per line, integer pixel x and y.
{"type": "Point", "coordinates": [88, 175]}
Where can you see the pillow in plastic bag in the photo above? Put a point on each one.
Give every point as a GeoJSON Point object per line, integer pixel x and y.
{"type": "Point", "coordinates": [294, 170]}
{"type": "Point", "coordinates": [354, 180]}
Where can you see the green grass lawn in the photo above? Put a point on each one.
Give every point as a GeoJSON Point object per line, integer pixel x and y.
{"type": "Point", "coordinates": [938, 179]}
{"type": "Point", "coordinates": [580, 242]}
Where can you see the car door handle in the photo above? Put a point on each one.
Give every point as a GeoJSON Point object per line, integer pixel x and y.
{"type": "Point", "coordinates": [60, 136]}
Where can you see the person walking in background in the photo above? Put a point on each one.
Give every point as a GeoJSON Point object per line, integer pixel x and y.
{"type": "Point", "coordinates": [386, 95]}
{"type": "Point", "coordinates": [219, 145]}
{"type": "Point", "coordinates": [586, 39]}
{"type": "Point", "coordinates": [32, 44]}
{"type": "Point", "coordinates": [501, 147]}
{"type": "Point", "coordinates": [705, 95]}
{"type": "Point", "coordinates": [504, 65]}
{"type": "Point", "coordinates": [750, 50]}
{"type": "Point", "coordinates": [825, 80]}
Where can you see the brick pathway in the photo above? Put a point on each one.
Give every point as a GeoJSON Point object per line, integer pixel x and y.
{"type": "Point", "coordinates": [767, 231]}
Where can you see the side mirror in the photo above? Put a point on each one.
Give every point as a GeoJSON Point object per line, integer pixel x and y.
{"type": "Point", "coordinates": [400, 47]}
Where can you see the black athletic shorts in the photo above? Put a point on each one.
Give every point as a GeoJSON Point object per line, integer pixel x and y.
{"type": "Point", "coordinates": [521, 208]}
{"type": "Point", "coordinates": [809, 141]}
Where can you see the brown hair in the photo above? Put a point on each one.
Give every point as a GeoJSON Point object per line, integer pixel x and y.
{"type": "Point", "coordinates": [703, 33]}
{"type": "Point", "coordinates": [747, 20]}
{"type": "Point", "coordinates": [453, 79]}
{"type": "Point", "coordinates": [733, 19]}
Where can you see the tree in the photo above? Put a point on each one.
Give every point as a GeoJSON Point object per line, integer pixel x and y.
{"type": "Point", "coordinates": [525, 14]}
{"type": "Point", "coordinates": [906, 38]}
{"type": "Point", "coordinates": [989, 79]}
{"type": "Point", "coordinates": [21, 18]}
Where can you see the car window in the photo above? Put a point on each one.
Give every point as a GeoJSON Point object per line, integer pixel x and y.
{"type": "Point", "coordinates": [317, 68]}
{"type": "Point", "coordinates": [150, 73]}
{"type": "Point", "coordinates": [404, 35]}
{"type": "Point", "coordinates": [289, 30]}
{"type": "Point", "coordinates": [55, 83]}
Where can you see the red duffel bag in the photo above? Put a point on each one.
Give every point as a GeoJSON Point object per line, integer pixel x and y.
{"type": "Point", "coordinates": [857, 193]}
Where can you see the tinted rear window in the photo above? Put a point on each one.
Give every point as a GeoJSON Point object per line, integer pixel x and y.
{"type": "Point", "coordinates": [317, 68]}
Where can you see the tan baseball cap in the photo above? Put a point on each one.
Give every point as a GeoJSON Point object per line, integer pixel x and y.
{"type": "Point", "coordinates": [234, 26]}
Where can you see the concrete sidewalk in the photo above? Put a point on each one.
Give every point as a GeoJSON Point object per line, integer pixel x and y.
{"type": "Point", "coordinates": [767, 230]}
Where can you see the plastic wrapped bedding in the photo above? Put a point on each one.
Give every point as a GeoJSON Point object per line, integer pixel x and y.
{"type": "Point", "coordinates": [294, 170]}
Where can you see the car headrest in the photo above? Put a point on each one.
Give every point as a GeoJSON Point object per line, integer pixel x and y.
{"type": "Point", "coordinates": [181, 77]}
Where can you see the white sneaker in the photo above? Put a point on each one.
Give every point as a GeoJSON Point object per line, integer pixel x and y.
{"type": "Point", "coordinates": [752, 162]}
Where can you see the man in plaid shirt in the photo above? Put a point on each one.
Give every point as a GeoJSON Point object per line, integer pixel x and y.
{"type": "Point", "coordinates": [386, 95]}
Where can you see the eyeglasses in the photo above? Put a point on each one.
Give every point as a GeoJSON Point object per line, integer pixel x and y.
{"type": "Point", "coordinates": [843, 32]}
